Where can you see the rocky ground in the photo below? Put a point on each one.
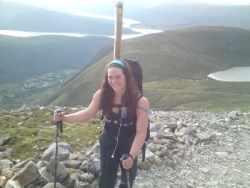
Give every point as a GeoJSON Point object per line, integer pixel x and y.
{"type": "Point", "coordinates": [186, 150]}
{"type": "Point", "coordinates": [222, 161]}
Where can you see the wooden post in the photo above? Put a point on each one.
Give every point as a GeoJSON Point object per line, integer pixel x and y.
{"type": "Point", "coordinates": [118, 30]}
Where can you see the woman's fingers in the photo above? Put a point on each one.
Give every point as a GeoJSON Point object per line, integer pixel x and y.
{"type": "Point", "coordinates": [127, 163]}
{"type": "Point", "coordinates": [58, 116]}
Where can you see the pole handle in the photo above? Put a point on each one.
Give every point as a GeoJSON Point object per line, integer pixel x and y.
{"type": "Point", "coordinates": [124, 156]}
{"type": "Point", "coordinates": [59, 124]}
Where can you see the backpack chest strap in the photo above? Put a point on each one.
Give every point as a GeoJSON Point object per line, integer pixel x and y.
{"type": "Point", "coordinates": [116, 122]}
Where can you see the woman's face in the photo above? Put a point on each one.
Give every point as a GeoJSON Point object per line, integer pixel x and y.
{"type": "Point", "coordinates": [116, 79]}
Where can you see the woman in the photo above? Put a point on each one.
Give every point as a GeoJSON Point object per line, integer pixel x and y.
{"type": "Point", "coordinates": [125, 115]}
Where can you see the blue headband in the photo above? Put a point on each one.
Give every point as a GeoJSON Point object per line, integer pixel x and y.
{"type": "Point", "coordinates": [117, 62]}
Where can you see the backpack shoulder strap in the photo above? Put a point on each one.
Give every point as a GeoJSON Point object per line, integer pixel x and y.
{"type": "Point", "coordinates": [148, 130]}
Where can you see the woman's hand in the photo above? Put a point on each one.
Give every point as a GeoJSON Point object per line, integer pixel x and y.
{"type": "Point", "coordinates": [58, 116]}
{"type": "Point", "coordinates": [127, 161]}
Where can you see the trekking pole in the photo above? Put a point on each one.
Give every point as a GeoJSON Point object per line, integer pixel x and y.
{"type": "Point", "coordinates": [118, 29]}
{"type": "Point", "coordinates": [58, 125]}
{"type": "Point", "coordinates": [125, 156]}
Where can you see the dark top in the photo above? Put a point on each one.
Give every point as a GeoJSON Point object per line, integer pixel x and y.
{"type": "Point", "coordinates": [120, 133]}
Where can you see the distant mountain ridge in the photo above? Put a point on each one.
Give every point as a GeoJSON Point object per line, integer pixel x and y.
{"type": "Point", "coordinates": [186, 54]}
{"type": "Point", "coordinates": [26, 18]}
{"type": "Point", "coordinates": [14, 16]}
{"type": "Point", "coordinates": [168, 17]}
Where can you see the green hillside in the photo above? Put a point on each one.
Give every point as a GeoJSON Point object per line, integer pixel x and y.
{"type": "Point", "coordinates": [176, 65]}
{"type": "Point", "coordinates": [40, 55]}
{"type": "Point", "coordinates": [31, 68]}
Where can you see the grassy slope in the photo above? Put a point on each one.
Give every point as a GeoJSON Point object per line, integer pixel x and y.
{"type": "Point", "coordinates": [206, 94]}
{"type": "Point", "coordinates": [35, 131]}
{"type": "Point", "coordinates": [81, 87]}
{"type": "Point", "coordinates": [188, 54]}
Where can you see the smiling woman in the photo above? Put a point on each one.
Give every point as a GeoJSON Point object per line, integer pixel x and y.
{"type": "Point", "coordinates": [125, 124]}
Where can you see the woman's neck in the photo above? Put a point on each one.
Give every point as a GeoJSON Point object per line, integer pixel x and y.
{"type": "Point", "coordinates": [119, 98]}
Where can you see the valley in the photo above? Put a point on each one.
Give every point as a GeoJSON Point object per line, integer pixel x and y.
{"type": "Point", "coordinates": [32, 90]}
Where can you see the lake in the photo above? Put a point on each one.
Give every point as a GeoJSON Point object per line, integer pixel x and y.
{"type": "Point", "coordinates": [235, 74]}
{"type": "Point", "coordinates": [127, 23]}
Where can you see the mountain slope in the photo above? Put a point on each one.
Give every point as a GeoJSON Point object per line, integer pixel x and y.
{"type": "Point", "coordinates": [190, 53]}
{"type": "Point", "coordinates": [14, 16]}
{"type": "Point", "coordinates": [23, 58]}
{"type": "Point", "coordinates": [168, 16]}
{"type": "Point", "coordinates": [168, 57]}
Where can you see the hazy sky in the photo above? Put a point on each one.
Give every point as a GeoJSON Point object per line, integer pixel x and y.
{"type": "Point", "coordinates": [64, 4]}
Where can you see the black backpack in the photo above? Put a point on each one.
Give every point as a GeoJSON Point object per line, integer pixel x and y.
{"type": "Point", "coordinates": [138, 75]}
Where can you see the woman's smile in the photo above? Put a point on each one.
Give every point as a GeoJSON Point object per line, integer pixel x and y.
{"type": "Point", "coordinates": [116, 78]}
